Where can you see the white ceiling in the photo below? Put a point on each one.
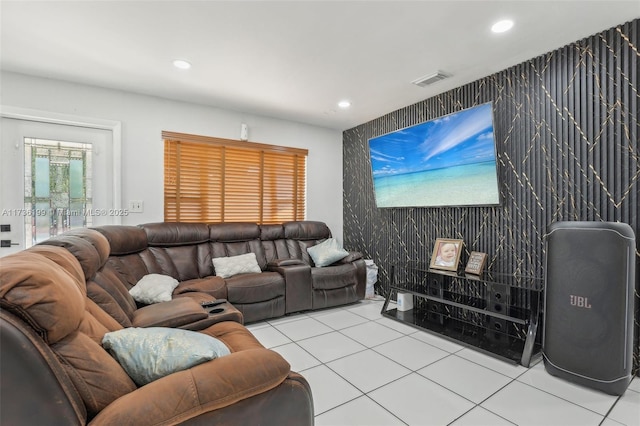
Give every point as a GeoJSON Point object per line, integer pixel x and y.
{"type": "Point", "coordinates": [290, 59]}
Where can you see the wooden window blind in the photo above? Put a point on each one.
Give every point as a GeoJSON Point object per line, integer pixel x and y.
{"type": "Point", "coordinates": [220, 180]}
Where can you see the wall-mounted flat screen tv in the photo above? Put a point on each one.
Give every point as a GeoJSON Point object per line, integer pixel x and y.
{"type": "Point", "coordinates": [447, 161]}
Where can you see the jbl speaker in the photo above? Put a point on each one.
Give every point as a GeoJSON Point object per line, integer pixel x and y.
{"type": "Point", "coordinates": [588, 304]}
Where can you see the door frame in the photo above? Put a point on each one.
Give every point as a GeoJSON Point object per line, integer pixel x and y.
{"type": "Point", "coordinates": [115, 127]}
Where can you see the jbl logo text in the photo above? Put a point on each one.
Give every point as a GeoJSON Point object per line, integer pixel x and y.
{"type": "Point", "coordinates": [579, 301]}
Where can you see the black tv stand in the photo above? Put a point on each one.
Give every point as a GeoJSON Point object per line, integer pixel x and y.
{"type": "Point", "coordinates": [494, 313]}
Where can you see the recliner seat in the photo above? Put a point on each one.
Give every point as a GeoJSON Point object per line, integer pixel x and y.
{"type": "Point", "coordinates": [55, 371]}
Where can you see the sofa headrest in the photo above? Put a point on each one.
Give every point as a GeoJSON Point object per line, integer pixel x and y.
{"type": "Point", "coordinates": [97, 240]}
{"type": "Point", "coordinates": [87, 254]}
{"type": "Point", "coordinates": [232, 232]}
{"type": "Point", "coordinates": [43, 293]}
{"type": "Point", "coordinates": [65, 259]}
{"type": "Point", "coordinates": [306, 230]}
{"type": "Point", "coordinates": [124, 240]}
{"type": "Point", "coordinates": [171, 234]}
{"type": "Point", "coordinates": [271, 232]}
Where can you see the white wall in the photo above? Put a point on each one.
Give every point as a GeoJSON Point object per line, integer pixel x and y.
{"type": "Point", "coordinates": [143, 119]}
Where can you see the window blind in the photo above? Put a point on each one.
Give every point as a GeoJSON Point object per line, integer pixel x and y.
{"type": "Point", "coordinates": [220, 180]}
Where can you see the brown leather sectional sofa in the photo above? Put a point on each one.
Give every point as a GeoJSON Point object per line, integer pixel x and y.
{"type": "Point", "coordinates": [289, 281]}
{"type": "Point", "coordinates": [59, 298]}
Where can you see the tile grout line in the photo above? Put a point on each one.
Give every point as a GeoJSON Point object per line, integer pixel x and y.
{"type": "Point", "coordinates": [604, 416]}
{"type": "Point", "coordinates": [367, 320]}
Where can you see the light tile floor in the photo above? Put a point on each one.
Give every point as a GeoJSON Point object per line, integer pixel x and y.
{"type": "Point", "coordinates": [368, 370]}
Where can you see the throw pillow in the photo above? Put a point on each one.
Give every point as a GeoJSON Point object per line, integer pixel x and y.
{"type": "Point", "coordinates": [233, 265]}
{"type": "Point", "coordinates": [147, 354]}
{"type": "Point", "coordinates": [327, 252]}
{"type": "Point", "coordinates": [154, 288]}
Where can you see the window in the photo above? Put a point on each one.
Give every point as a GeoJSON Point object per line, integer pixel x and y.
{"type": "Point", "coordinates": [221, 180]}
{"type": "Point", "coordinates": [57, 190]}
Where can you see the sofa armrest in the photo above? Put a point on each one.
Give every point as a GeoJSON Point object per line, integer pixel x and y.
{"type": "Point", "coordinates": [284, 262]}
{"type": "Point", "coordinates": [212, 285]}
{"type": "Point", "coordinates": [210, 386]}
{"type": "Point", "coordinates": [361, 277]}
{"type": "Point", "coordinates": [298, 285]}
{"type": "Point", "coordinates": [351, 257]}
{"type": "Point", "coordinates": [175, 313]}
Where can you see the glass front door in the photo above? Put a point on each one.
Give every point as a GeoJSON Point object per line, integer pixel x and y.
{"type": "Point", "coordinates": [57, 187]}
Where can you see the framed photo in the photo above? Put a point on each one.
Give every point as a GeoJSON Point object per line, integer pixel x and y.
{"type": "Point", "coordinates": [476, 263]}
{"type": "Point", "coordinates": [446, 254]}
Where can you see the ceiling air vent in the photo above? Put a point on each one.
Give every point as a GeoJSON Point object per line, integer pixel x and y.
{"type": "Point", "coordinates": [430, 79]}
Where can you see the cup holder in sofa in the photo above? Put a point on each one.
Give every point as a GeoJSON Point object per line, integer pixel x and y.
{"type": "Point", "coordinates": [221, 310]}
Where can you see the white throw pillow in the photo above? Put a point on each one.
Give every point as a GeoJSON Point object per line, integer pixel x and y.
{"type": "Point", "coordinates": [327, 252]}
{"type": "Point", "coordinates": [233, 265]}
{"type": "Point", "coordinates": [154, 288]}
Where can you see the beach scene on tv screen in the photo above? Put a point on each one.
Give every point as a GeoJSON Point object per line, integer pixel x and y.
{"type": "Point", "coordinates": [448, 161]}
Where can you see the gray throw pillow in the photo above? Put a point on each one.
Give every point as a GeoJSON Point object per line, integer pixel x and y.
{"type": "Point", "coordinates": [327, 252]}
{"type": "Point", "coordinates": [147, 354]}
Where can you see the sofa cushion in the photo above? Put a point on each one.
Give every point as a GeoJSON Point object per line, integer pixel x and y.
{"type": "Point", "coordinates": [99, 377]}
{"type": "Point", "coordinates": [93, 328]}
{"type": "Point", "coordinates": [273, 243]}
{"type": "Point", "coordinates": [109, 280]}
{"type": "Point", "coordinates": [172, 234]}
{"type": "Point", "coordinates": [124, 240]}
{"type": "Point", "coordinates": [237, 337]}
{"type": "Point", "coordinates": [63, 258]}
{"type": "Point", "coordinates": [48, 296]}
{"type": "Point", "coordinates": [253, 288]}
{"type": "Point", "coordinates": [154, 288]}
{"type": "Point", "coordinates": [249, 371]}
{"type": "Point", "coordinates": [128, 269]}
{"type": "Point", "coordinates": [232, 239]}
{"type": "Point", "coordinates": [96, 239]}
{"type": "Point", "coordinates": [43, 293]}
{"type": "Point", "coordinates": [270, 232]}
{"type": "Point", "coordinates": [106, 320]}
{"type": "Point", "coordinates": [233, 232]}
{"type": "Point", "coordinates": [226, 249]}
{"type": "Point", "coordinates": [147, 354]}
{"type": "Point", "coordinates": [306, 230]}
{"type": "Point", "coordinates": [327, 252]}
{"type": "Point", "coordinates": [82, 249]}
{"type": "Point", "coordinates": [227, 267]}
{"type": "Point", "coordinates": [108, 303]}
{"type": "Point", "coordinates": [332, 277]}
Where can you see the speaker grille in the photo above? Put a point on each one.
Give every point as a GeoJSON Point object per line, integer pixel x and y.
{"type": "Point", "coordinates": [588, 299]}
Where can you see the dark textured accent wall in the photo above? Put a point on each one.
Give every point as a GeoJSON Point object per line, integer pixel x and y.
{"type": "Point", "coordinates": [567, 129]}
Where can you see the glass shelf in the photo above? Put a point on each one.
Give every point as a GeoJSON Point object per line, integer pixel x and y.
{"type": "Point", "coordinates": [512, 280]}
{"type": "Point", "coordinates": [495, 313]}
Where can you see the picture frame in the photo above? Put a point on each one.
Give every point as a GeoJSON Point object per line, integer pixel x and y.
{"type": "Point", "coordinates": [446, 254]}
{"type": "Point", "coordinates": [476, 263]}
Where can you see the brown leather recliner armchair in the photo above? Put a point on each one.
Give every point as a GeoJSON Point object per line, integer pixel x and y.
{"type": "Point", "coordinates": [53, 369]}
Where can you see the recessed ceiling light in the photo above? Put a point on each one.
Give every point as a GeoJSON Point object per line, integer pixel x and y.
{"type": "Point", "coordinates": [182, 64]}
{"type": "Point", "coordinates": [502, 26]}
{"type": "Point", "coordinates": [344, 104]}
